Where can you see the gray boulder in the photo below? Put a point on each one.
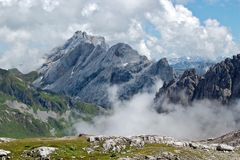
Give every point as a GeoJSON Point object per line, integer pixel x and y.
{"type": "Point", "coordinates": [224, 147]}
{"type": "Point", "coordinates": [43, 152]}
{"type": "Point", "coordinates": [5, 140]}
{"type": "Point", "coordinates": [4, 154]}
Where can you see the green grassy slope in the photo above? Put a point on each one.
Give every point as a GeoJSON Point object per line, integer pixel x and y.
{"type": "Point", "coordinates": [17, 121]}
{"type": "Point", "coordinates": [75, 148]}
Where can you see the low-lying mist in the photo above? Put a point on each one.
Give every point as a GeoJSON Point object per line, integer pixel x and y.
{"type": "Point", "coordinates": [204, 119]}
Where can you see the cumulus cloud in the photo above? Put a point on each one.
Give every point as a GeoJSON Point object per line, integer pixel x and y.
{"type": "Point", "coordinates": [14, 58]}
{"type": "Point", "coordinates": [89, 9]}
{"type": "Point", "coordinates": [19, 55]}
{"type": "Point", "coordinates": [183, 34]}
{"type": "Point", "coordinates": [49, 5]}
{"type": "Point", "coordinates": [50, 22]}
{"type": "Point", "coordinates": [205, 119]}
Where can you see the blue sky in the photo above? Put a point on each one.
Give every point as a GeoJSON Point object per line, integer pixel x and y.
{"type": "Point", "coordinates": [227, 12]}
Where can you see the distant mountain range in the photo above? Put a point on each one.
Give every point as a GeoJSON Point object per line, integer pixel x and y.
{"type": "Point", "coordinates": [200, 64]}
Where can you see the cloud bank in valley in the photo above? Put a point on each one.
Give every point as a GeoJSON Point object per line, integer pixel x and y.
{"type": "Point", "coordinates": [205, 119]}
{"type": "Point", "coordinates": [156, 28]}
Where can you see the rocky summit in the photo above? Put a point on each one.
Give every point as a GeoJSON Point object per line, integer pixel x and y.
{"type": "Point", "coordinates": [85, 67]}
{"type": "Point", "coordinates": [221, 83]}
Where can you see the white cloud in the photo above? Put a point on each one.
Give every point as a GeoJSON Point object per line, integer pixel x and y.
{"type": "Point", "coordinates": [50, 5]}
{"type": "Point", "coordinates": [204, 119]}
{"type": "Point", "coordinates": [51, 22]}
{"type": "Point", "coordinates": [89, 9]}
{"type": "Point", "coordinates": [20, 55]}
{"type": "Point", "coordinates": [7, 2]}
{"type": "Point", "coordinates": [184, 34]}
{"type": "Point", "coordinates": [22, 58]}
{"type": "Point", "coordinates": [10, 36]}
{"type": "Point", "coordinates": [25, 3]}
{"type": "Point", "coordinates": [144, 50]}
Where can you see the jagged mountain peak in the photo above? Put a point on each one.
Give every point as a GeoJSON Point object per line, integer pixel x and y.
{"type": "Point", "coordinates": [80, 36]}
{"type": "Point", "coordinates": [161, 63]}
{"type": "Point", "coordinates": [221, 83]}
{"type": "Point", "coordinates": [189, 72]}
{"type": "Point", "coordinates": [84, 67]}
{"type": "Point", "coordinates": [122, 49]}
{"type": "Point", "coordinates": [123, 54]}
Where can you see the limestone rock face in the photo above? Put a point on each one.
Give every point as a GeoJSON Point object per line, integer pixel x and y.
{"type": "Point", "coordinates": [179, 91]}
{"type": "Point", "coordinates": [85, 67]}
{"type": "Point", "coordinates": [221, 83]}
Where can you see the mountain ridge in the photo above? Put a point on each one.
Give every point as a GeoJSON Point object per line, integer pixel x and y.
{"type": "Point", "coordinates": [27, 112]}
{"type": "Point", "coordinates": [221, 83]}
{"type": "Point", "coordinates": [87, 70]}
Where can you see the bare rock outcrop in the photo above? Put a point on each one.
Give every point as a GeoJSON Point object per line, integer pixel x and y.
{"type": "Point", "coordinates": [4, 154]}
{"type": "Point", "coordinates": [220, 83]}
{"type": "Point", "coordinates": [42, 152]}
{"type": "Point", "coordinates": [84, 67]}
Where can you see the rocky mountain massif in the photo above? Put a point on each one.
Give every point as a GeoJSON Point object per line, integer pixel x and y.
{"type": "Point", "coordinates": [221, 83]}
{"type": "Point", "coordinates": [48, 102]}
{"type": "Point", "coordinates": [85, 67]}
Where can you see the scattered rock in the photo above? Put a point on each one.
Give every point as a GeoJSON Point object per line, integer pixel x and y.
{"type": "Point", "coordinates": [194, 145]}
{"type": "Point", "coordinates": [150, 158]}
{"type": "Point", "coordinates": [224, 147]}
{"type": "Point", "coordinates": [5, 140]}
{"type": "Point", "coordinates": [179, 144]}
{"type": "Point", "coordinates": [89, 150]}
{"type": "Point", "coordinates": [96, 138]}
{"type": "Point", "coordinates": [43, 152]}
{"type": "Point", "coordinates": [4, 154]}
{"type": "Point", "coordinates": [82, 135]}
{"type": "Point", "coordinates": [137, 142]}
{"type": "Point", "coordinates": [118, 144]}
{"type": "Point", "coordinates": [115, 145]}
{"type": "Point", "coordinates": [91, 139]}
{"type": "Point", "coordinates": [201, 146]}
{"type": "Point", "coordinates": [163, 156]}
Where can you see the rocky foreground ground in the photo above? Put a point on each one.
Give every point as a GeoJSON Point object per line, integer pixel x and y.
{"type": "Point", "coordinates": [150, 147]}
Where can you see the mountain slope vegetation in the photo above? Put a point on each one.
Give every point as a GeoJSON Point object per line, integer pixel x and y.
{"type": "Point", "coordinates": [27, 112]}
